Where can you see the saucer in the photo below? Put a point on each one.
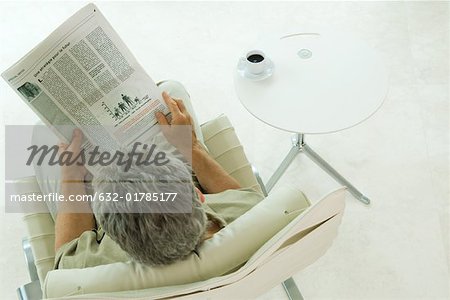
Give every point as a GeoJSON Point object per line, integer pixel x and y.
{"type": "Point", "coordinates": [242, 70]}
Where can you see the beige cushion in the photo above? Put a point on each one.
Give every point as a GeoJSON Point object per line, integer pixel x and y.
{"type": "Point", "coordinates": [40, 228]}
{"type": "Point", "coordinates": [224, 146]}
{"type": "Point", "coordinates": [227, 250]}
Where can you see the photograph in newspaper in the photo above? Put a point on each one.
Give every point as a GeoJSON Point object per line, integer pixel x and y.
{"type": "Point", "coordinates": [83, 75]}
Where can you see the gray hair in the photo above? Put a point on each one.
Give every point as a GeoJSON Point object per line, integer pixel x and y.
{"type": "Point", "coordinates": [151, 238]}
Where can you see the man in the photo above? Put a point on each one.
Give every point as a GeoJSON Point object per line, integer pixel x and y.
{"type": "Point", "coordinates": [148, 238]}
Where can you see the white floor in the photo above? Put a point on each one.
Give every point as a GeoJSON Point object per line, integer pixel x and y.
{"type": "Point", "coordinates": [398, 248]}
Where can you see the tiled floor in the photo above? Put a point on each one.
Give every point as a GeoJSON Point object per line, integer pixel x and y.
{"type": "Point", "coordinates": [398, 248]}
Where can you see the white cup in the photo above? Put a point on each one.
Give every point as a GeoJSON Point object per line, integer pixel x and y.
{"type": "Point", "coordinates": [255, 62]}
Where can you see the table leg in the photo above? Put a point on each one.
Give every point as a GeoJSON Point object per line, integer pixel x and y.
{"type": "Point", "coordinates": [296, 148]}
{"type": "Point", "coordinates": [299, 145]}
{"type": "Point", "coordinates": [292, 290]}
{"type": "Point", "coordinates": [333, 173]}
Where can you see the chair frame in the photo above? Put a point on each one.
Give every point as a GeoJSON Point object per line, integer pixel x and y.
{"type": "Point", "coordinates": [32, 290]}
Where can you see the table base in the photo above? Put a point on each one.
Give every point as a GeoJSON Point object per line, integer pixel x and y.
{"type": "Point", "coordinates": [298, 146]}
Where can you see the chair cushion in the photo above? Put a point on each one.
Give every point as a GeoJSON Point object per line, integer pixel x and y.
{"type": "Point", "coordinates": [40, 228]}
{"type": "Point", "coordinates": [229, 249]}
{"type": "Point", "coordinates": [224, 146]}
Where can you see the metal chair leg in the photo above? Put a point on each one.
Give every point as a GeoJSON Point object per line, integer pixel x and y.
{"type": "Point", "coordinates": [30, 291]}
{"type": "Point", "coordinates": [292, 290]}
{"type": "Point", "coordinates": [29, 259]}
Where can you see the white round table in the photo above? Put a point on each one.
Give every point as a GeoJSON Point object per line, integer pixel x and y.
{"type": "Point", "coordinates": [320, 83]}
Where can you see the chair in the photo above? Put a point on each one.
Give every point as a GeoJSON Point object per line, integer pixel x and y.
{"type": "Point", "coordinates": [284, 234]}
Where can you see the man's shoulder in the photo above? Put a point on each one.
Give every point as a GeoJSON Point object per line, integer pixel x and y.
{"type": "Point", "coordinates": [91, 248]}
{"type": "Point", "coordinates": [233, 203]}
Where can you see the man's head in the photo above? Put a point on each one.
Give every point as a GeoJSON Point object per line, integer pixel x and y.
{"type": "Point", "coordinates": [150, 238]}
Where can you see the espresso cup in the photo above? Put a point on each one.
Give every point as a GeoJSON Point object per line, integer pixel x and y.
{"type": "Point", "coordinates": [255, 62]}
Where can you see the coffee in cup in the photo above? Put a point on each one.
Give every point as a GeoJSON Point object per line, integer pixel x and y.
{"type": "Point", "coordinates": [255, 62]}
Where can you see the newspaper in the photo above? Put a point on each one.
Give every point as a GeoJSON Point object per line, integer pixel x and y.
{"type": "Point", "coordinates": [83, 75]}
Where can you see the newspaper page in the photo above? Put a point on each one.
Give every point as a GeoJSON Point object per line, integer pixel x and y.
{"type": "Point", "coordinates": [83, 75]}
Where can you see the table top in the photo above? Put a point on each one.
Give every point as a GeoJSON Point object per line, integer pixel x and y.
{"type": "Point", "coordinates": [320, 83]}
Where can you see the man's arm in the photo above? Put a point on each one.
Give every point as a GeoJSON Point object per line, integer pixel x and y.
{"type": "Point", "coordinates": [212, 177]}
{"type": "Point", "coordinates": [73, 218]}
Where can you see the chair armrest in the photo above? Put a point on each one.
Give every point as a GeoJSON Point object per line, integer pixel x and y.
{"type": "Point", "coordinates": [224, 146]}
{"type": "Point", "coordinates": [40, 240]}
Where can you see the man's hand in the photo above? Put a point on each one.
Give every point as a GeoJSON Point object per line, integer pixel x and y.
{"type": "Point", "coordinates": [212, 177]}
{"type": "Point", "coordinates": [73, 218]}
{"type": "Point", "coordinates": [75, 170]}
{"type": "Point", "coordinates": [175, 134]}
